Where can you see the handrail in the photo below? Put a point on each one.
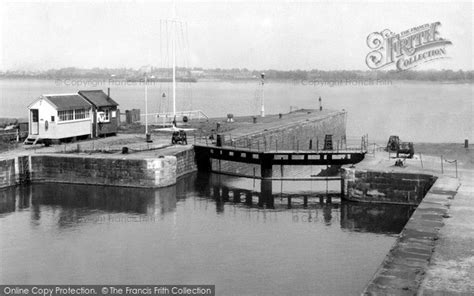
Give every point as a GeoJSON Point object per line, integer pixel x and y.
{"type": "Point", "coordinates": [179, 113]}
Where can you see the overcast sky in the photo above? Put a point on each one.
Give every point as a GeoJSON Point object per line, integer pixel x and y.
{"type": "Point", "coordinates": [279, 35]}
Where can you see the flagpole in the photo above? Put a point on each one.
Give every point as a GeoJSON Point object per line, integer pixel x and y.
{"type": "Point", "coordinates": [262, 110]}
{"type": "Point", "coordinates": [146, 109]}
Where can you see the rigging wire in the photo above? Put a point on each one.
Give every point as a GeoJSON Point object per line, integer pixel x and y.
{"type": "Point", "coordinates": [174, 39]}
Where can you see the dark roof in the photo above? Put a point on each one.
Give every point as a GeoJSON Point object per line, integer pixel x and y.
{"type": "Point", "coordinates": [98, 98]}
{"type": "Point", "coordinates": [68, 101]}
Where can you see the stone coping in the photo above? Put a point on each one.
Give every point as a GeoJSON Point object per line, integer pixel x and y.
{"type": "Point", "coordinates": [404, 267]}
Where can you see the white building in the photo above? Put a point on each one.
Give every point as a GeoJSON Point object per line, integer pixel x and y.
{"type": "Point", "coordinates": [59, 116]}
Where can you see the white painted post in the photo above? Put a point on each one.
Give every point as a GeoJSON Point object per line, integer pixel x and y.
{"type": "Point", "coordinates": [456, 164]}
{"type": "Point", "coordinates": [442, 168]}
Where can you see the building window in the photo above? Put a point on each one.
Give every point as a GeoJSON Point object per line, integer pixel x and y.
{"type": "Point", "coordinates": [66, 115]}
{"type": "Point", "coordinates": [81, 114]}
{"type": "Point", "coordinates": [103, 115]}
{"type": "Point", "coordinates": [52, 118]}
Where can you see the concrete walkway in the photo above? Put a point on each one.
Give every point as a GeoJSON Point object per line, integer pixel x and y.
{"type": "Point", "coordinates": [449, 265]}
{"type": "Point", "coordinates": [451, 270]}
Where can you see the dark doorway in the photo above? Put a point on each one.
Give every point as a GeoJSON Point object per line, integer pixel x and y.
{"type": "Point", "coordinates": [34, 121]}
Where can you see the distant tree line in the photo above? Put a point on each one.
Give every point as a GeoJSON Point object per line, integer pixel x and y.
{"type": "Point", "coordinates": [429, 75]}
{"type": "Point", "coordinates": [244, 74]}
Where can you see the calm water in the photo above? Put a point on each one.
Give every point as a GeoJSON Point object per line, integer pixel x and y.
{"type": "Point", "coordinates": [418, 112]}
{"type": "Point", "coordinates": [209, 229]}
{"type": "Point", "coordinates": [194, 232]}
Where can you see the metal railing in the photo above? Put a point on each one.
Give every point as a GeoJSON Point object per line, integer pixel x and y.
{"type": "Point", "coordinates": [438, 164]}
{"type": "Point", "coordinates": [165, 118]}
{"type": "Point", "coordinates": [269, 143]}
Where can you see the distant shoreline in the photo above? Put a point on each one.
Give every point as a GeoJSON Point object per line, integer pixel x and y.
{"type": "Point", "coordinates": [241, 80]}
{"type": "Point", "coordinates": [240, 74]}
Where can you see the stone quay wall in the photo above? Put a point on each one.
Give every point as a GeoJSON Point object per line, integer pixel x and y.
{"type": "Point", "coordinates": [7, 173]}
{"type": "Point", "coordinates": [128, 172]}
{"type": "Point", "coordinates": [404, 267]}
{"type": "Point", "coordinates": [157, 172]}
{"type": "Point", "coordinates": [296, 136]}
{"type": "Point", "coordinates": [185, 162]}
{"type": "Point", "coordinates": [385, 187]}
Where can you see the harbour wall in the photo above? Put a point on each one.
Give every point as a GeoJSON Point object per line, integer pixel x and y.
{"type": "Point", "coordinates": [161, 172]}
{"type": "Point", "coordinates": [295, 136]}
{"type": "Point", "coordinates": [7, 173]}
{"type": "Point", "coordinates": [185, 162]}
{"type": "Point", "coordinates": [386, 187]}
{"type": "Point", "coordinates": [130, 172]}
{"type": "Point", "coordinates": [405, 265]}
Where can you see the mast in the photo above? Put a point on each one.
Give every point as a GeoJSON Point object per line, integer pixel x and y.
{"type": "Point", "coordinates": [173, 50]}
{"type": "Point", "coordinates": [262, 109]}
{"type": "Point", "coordinates": [146, 106]}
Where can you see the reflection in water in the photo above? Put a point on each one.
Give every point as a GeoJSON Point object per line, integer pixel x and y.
{"type": "Point", "coordinates": [361, 217]}
{"type": "Point", "coordinates": [375, 218]}
{"type": "Point", "coordinates": [208, 229]}
{"type": "Point", "coordinates": [73, 203]}
{"type": "Point", "coordinates": [7, 200]}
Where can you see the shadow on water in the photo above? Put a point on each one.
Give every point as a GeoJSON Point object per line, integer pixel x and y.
{"type": "Point", "coordinates": [74, 202]}
{"type": "Point", "coordinates": [323, 206]}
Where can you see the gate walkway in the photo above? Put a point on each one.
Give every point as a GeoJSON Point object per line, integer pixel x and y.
{"type": "Point", "coordinates": [266, 159]}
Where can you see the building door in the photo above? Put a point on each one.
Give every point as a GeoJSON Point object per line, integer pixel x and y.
{"type": "Point", "coordinates": [34, 121]}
